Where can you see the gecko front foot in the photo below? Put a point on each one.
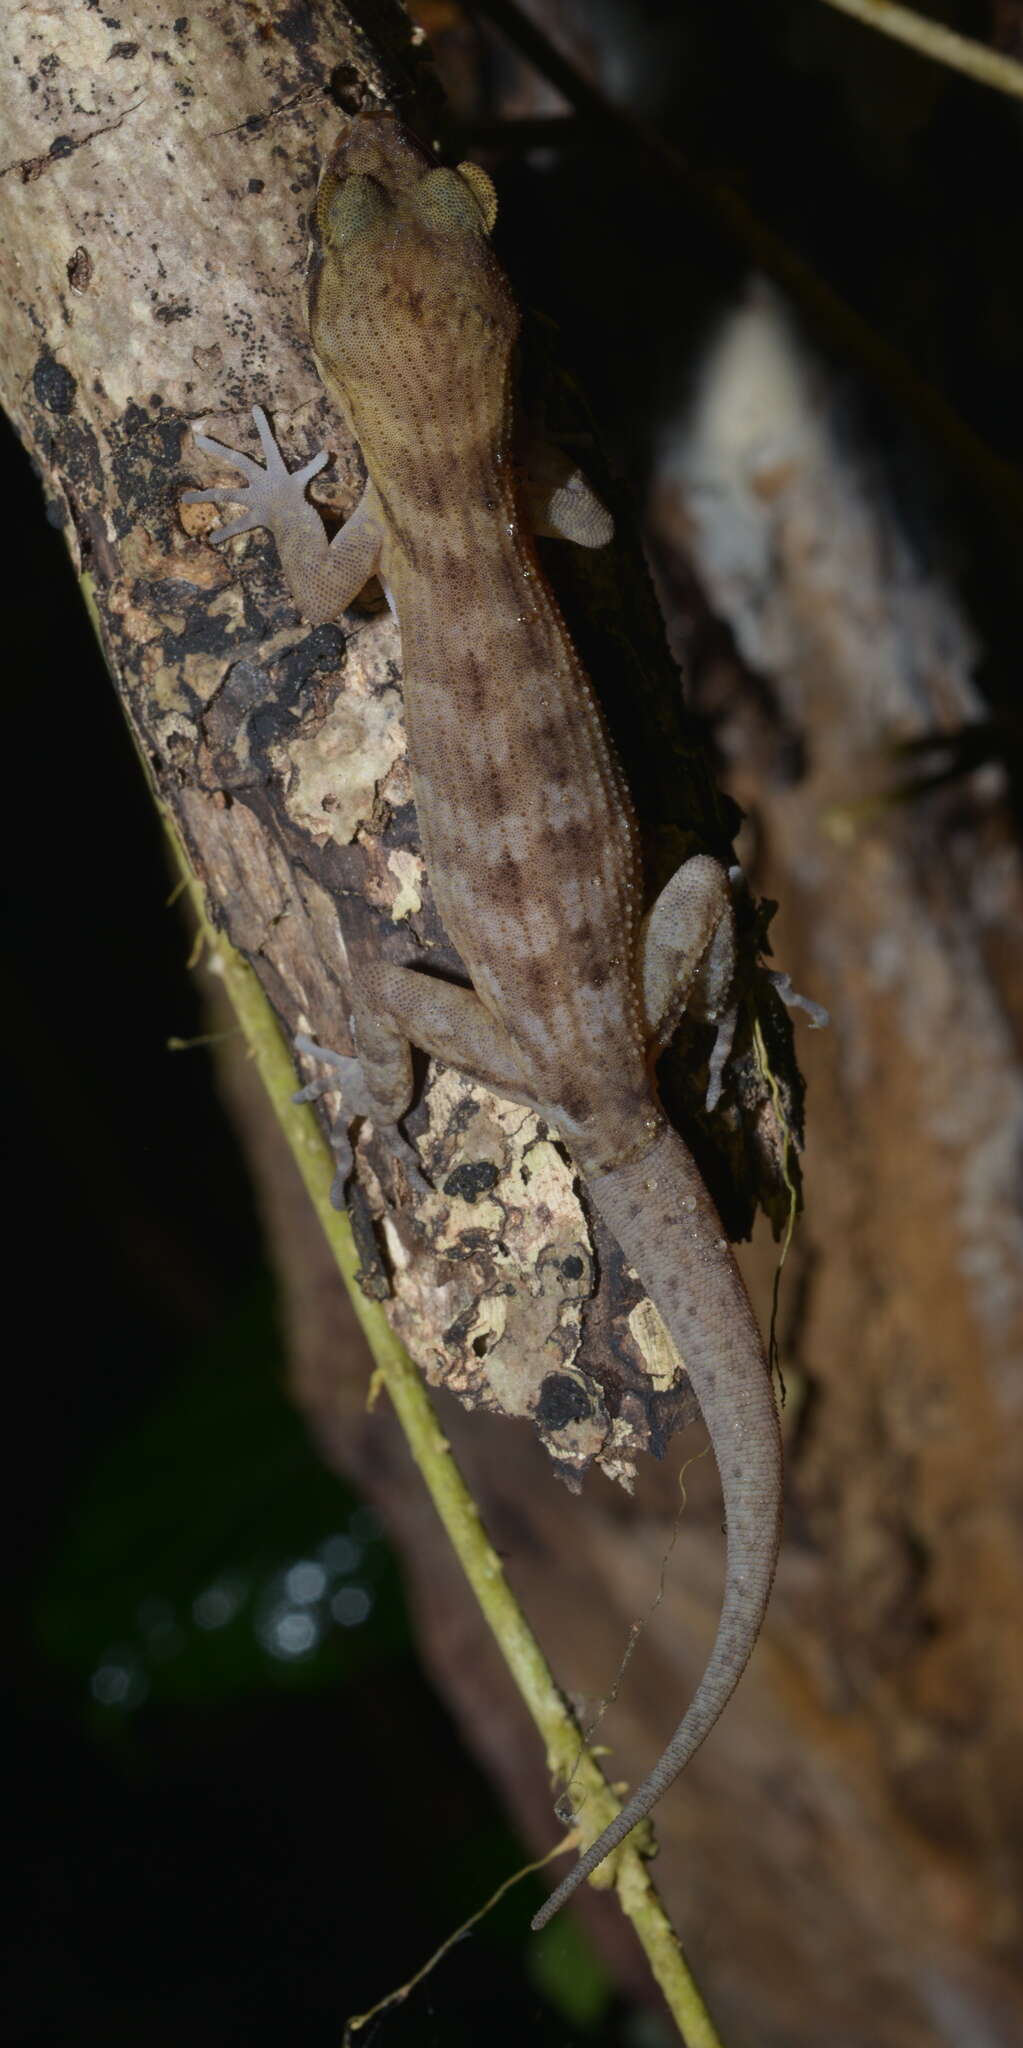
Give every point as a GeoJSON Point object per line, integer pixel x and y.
{"type": "Point", "coordinates": [269, 494]}
{"type": "Point", "coordinates": [346, 1079]}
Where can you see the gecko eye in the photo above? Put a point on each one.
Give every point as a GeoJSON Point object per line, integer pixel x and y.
{"type": "Point", "coordinates": [457, 202]}
{"type": "Point", "coordinates": [348, 209]}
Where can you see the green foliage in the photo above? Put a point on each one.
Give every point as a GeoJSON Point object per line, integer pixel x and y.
{"type": "Point", "coordinates": [570, 1974]}
{"type": "Point", "coordinates": [210, 1554]}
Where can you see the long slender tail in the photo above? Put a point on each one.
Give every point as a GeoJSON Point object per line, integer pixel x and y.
{"type": "Point", "coordinates": [667, 1226]}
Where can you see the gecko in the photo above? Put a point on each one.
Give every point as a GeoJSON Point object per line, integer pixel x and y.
{"type": "Point", "coordinates": [526, 824]}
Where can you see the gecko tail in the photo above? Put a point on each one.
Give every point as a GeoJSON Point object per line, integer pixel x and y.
{"type": "Point", "coordinates": [666, 1224]}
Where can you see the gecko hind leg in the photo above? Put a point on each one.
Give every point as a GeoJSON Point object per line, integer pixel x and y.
{"type": "Point", "coordinates": [448, 1022]}
{"type": "Point", "coordinates": [397, 1008]}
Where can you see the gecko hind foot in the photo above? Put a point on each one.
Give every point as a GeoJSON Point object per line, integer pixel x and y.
{"type": "Point", "coordinates": [346, 1079]}
{"type": "Point", "coordinates": [816, 1012]}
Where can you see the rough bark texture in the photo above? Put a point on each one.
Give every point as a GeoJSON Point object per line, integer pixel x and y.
{"type": "Point", "coordinates": [842, 1858]}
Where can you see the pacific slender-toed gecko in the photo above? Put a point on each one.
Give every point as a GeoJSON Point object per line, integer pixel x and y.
{"type": "Point", "coordinates": [525, 819]}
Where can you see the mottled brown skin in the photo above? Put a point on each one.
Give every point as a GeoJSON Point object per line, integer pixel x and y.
{"type": "Point", "coordinates": [414, 326]}
{"type": "Point", "coordinates": [525, 820]}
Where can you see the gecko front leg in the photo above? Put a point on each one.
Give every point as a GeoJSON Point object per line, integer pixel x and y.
{"type": "Point", "coordinates": [560, 501]}
{"type": "Point", "coordinates": [324, 576]}
{"type": "Point", "coordinates": [688, 959]}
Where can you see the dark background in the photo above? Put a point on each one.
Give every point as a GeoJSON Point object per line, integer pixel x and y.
{"type": "Point", "coordinates": [206, 1833]}
{"type": "Point", "coordinates": [207, 1815]}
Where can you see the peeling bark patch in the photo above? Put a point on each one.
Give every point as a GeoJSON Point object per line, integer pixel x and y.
{"type": "Point", "coordinates": [407, 869]}
{"type": "Point", "coordinates": [372, 1273]}
{"type": "Point", "coordinates": [145, 455]}
{"type": "Point", "coordinates": [347, 89]}
{"type": "Point", "coordinates": [472, 1180]}
{"type": "Point", "coordinates": [245, 688]}
{"type": "Point", "coordinates": [335, 765]}
{"type": "Point", "coordinates": [82, 468]}
{"type": "Point", "coordinates": [79, 271]}
{"type": "Point", "coordinates": [653, 1339]}
{"type": "Point", "coordinates": [510, 1272]}
{"type": "Point", "coordinates": [54, 386]}
{"type": "Point", "coordinates": [562, 1400]}
{"type": "Point", "coordinates": [206, 633]}
{"type": "Point", "coordinates": [317, 654]}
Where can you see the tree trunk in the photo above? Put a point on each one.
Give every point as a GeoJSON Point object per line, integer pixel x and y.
{"type": "Point", "coordinates": [839, 1859]}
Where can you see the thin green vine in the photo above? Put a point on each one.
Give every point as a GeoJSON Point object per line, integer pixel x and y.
{"type": "Point", "coordinates": [431, 1451]}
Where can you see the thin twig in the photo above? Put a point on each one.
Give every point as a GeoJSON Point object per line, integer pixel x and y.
{"type": "Point", "coordinates": [932, 39]}
{"type": "Point", "coordinates": [451, 1497]}
{"type": "Point", "coordinates": [358, 2020]}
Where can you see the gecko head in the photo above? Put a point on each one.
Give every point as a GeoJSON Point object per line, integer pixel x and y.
{"type": "Point", "coordinates": [379, 176]}
{"type": "Point", "coordinates": [401, 249]}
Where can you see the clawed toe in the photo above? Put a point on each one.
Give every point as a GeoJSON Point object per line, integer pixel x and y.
{"type": "Point", "coordinates": [247, 523]}
{"type": "Point", "coordinates": [300, 477]}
